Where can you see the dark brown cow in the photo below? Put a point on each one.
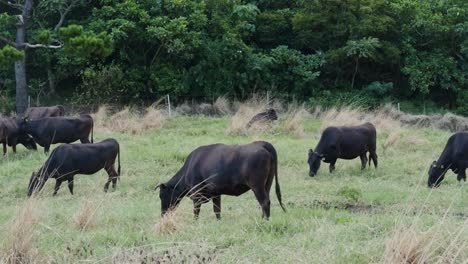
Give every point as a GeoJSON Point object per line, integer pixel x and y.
{"type": "Point", "coordinates": [344, 143]}
{"type": "Point", "coordinates": [67, 160]}
{"type": "Point", "coordinates": [214, 170]}
{"type": "Point", "coordinates": [11, 135]}
{"type": "Point", "coordinates": [267, 116]}
{"type": "Point", "coordinates": [52, 130]}
{"type": "Point", "coordinates": [34, 113]}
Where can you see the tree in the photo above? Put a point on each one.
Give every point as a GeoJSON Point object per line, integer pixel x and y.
{"type": "Point", "coordinates": [22, 20]}
{"type": "Point", "coordinates": [364, 48]}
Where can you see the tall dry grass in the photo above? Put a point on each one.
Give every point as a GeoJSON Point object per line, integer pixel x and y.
{"type": "Point", "coordinates": [244, 114]}
{"type": "Point", "coordinates": [170, 222]}
{"type": "Point", "coordinates": [348, 116]}
{"type": "Point", "coordinates": [437, 245]}
{"type": "Point", "coordinates": [19, 243]}
{"type": "Point", "coordinates": [86, 216]}
{"type": "Point", "coordinates": [293, 123]}
{"type": "Point", "coordinates": [127, 121]}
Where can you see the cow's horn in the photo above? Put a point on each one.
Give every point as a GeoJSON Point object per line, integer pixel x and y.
{"type": "Point", "coordinates": [157, 186]}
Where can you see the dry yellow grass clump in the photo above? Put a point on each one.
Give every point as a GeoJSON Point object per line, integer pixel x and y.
{"type": "Point", "coordinates": [86, 217]}
{"type": "Point", "coordinates": [246, 111]}
{"type": "Point", "coordinates": [436, 245]}
{"type": "Point", "coordinates": [127, 121]}
{"type": "Point", "coordinates": [347, 116]}
{"type": "Point", "coordinates": [19, 245]}
{"type": "Point", "coordinates": [293, 123]}
{"type": "Point", "coordinates": [170, 222]}
{"type": "Point", "coordinates": [222, 106]}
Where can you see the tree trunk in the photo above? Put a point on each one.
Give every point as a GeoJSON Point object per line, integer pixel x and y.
{"type": "Point", "coordinates": [20, 66]}
{"type": "Point", "coordinates": [355, 72]}
{"type": "Point", "coordinates": [51, 79]}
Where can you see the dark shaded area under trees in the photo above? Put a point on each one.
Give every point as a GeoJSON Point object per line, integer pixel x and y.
{"type": "Point", "coordinates": [363, 52]}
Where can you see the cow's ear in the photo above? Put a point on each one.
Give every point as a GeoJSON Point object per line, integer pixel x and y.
{"type": "Point", "coordinates": [161, 185]}
{"type": "Point", "coordinates": [311, 152]}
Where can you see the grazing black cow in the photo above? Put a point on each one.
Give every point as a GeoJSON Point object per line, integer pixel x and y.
{"type": "Point", "coordinates": [344, 143]}
{"type": "Point", "coordinates": [34, 113]}
{"type": "Point", "coordinates": [454, 157]}
{"type": "Point", "coordinates": [269, 115]}
{"type": "Point", "coordinates": [11, 135]}
{"type": "Point", "coordinates": [52, 130]}
{"type": "Point", "coordinates": [213, 170]}
{"type": "Point", "coordinates": [67, 160]}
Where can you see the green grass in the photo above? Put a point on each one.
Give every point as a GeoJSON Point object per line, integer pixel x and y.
{"type": "Point", "coordinates": [333, 218]}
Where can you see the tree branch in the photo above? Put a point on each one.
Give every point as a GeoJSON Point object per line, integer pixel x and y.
{"type": "Point", "coordinates": [34, 46]}
{"type": "Point", "coordinates": [13, 5]}
{"type": "Point", "coordinates": [64, 13]}
{"type": "Point", "coordinates": [9, 42]}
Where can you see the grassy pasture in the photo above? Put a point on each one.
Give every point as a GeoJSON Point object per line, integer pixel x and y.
{"type": "Point", "coordinates": [351, 216]}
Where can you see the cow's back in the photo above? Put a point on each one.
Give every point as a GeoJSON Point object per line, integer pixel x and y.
{"type": "Point", "coordinates": [224, 169]}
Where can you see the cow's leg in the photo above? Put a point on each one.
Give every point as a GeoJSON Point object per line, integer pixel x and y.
{"type": "Point", "coordinates": [85, 140]}
{"type": "Point", "coordinates": [217, 206]}
{"type": "Point", "coordinates": [46, 148]}
{"type": "Point", "coordinates": [373, 156]}
{"type": "Point", "coordinates": [196, 207]}
{"type": "Point", "coordinates": [264, 201]}
{"type": "Point", "coordinates": [112, 177]}
{"type": "Point", "coordinates": [461, 175]}
{"type": "Point", "coordinates": [332, 166]}
{"type": "Point", "coordinates": [4, 148]}
{"type": "Point", "coordinates": [70, 184]}
{"type": "Point", "coordinates": [58, 182]}
{"type": "Point", "coordinates": [363, 160]}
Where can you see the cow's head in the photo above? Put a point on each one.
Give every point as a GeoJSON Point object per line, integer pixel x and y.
{"type": "Point", "coordinates": [23, 123]}
{"type": "Point", "coordinates": [272, 114]}
{"type": "Point", "coordinates": [27, 141]}
{"type": "Point", "coordinates": [314, 162]}
{"type": "Point", "coordinates": [36, 183]}
{"type": "Point", "coordinates": [170, 197]}
{"type": "Point", "coordinates": [436, 174]}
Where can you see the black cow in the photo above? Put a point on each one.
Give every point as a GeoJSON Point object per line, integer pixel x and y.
{"type": "Point", "coordinates": [34, 113]}
{"type": "Point", "coordinates": [52, 130]}
{"type": "Point", "coordinates": [344, 143]}
{"type": "Point", "coordinates": [67, 160]}
{"type": "Point", "coordinates": [11, 135]}
{"type": "Point", "coordinates": [269, 115]}
{"type": "Point", "coordinates": [213, 170]}
{"type": "Point", "coordinates": [454, 157]}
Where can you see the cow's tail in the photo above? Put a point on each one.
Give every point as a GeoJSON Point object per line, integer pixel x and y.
{"type": "Point", "coordinates": [118, 160]}
{"type": "Point", "coordinates": [92, 131]}
{"type": "Point", "coordinates": [272, 150]}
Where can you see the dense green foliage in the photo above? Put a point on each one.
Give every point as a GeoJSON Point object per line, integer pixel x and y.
{"type": "Point", "coordinates": [350, 51]}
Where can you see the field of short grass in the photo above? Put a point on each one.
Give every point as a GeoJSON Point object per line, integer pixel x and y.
{"type": "Point", "coordinates": [350, 216]}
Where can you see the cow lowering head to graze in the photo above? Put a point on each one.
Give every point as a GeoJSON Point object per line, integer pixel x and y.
{"type": "Point", "coordinates": [344, 143]}
{"type": "Point", "coordinates": [68, 160]}
{"type": "Point", "coordinates": [52, 130]}
{"type": "Point", "coordinates": [214, 170]}
{"type": "Point", "coordinates": [267, 116]}
{"type": "Point", "coordinates": [34, 113]}
{"type": "Point", "coordinates": [454, 157]}
{"type": "Point", "coordinates": [11, 135]}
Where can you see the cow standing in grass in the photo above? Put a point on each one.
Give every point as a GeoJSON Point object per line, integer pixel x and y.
{"type": "Point", "coordinates": [454, 157]}
{"type": "Point", "coordinates": [67, 160]}
{"type": "Point", "coordinates": [52, 130]}
{"type": "Point", "coordinates": [344, 143]}
{"type": "Point", "coordinates": [34, 113]}
{"type": "Point", "coordinates": [263, 117]}
{"type": "Point", "coordinates": [214, 170]}
{"type": "Point", "coordinates": [11, 135]}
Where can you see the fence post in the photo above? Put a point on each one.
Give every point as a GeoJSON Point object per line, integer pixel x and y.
{"type": "Point", "coordinates": [268, 98]}
{"type": "Point", "coordinates": [29, 101]}
{"type": "Point", "coordinates": [169, 104]}
{"type": "Point", "coordinates": [398, 107]}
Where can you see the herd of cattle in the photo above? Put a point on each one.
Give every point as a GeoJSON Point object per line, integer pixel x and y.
{"type": "Point", "coordinates": [208, 171]}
